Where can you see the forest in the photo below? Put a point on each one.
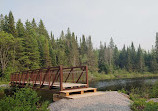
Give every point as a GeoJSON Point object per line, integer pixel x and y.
{"type": "Point", "coordinates": [29, 45]}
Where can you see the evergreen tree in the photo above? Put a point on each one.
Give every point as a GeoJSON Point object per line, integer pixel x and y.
{"type": "Point", "coordinates": [1, 22]}
{"type": "Point", "coordinates": [31, 54]}
{"type": "Point", "coordinates": [20, 29]}
{"type": "Point", "coordinates": [116, 57]}
{"type": "Point", "coordinates": [52, 50]}
{"type": "Point", "coordinates": [122, 58]}
{"type": "Point", "coordinates": [156, 47]}
{"type": "Point", "coordinates": [101, 59]}
{"type": "Point", "coordinates": [129, 64]}
{"type": "Point", "coordinates": [91, 62]}
{"type": "Point", "coordinates": [133, 57]}
{"type": "Point", "coordinates": [6, 22]}
{"type": "Point", "coordinates": [140, 60]}
{"type": "Point", "coordinates": [11, 25]}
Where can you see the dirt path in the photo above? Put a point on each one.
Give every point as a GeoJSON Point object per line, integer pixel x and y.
{"type": "Point", "coordinates": [110, 101]}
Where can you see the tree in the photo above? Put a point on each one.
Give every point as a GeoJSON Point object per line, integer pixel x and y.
{"type": "Point", "coordinates": [156, 47]}
{"type": "Point", "coordinates": [83, 51]}
{"type": "Point", "coordinates": [92, 60]}
{"type": "Point", "coordinates": [122, 58]}
{"type": "Point", "coordinates": [6, 22]}
{"type": "Point", "coordinates": [30, 58]}
{"type": "Point", "coordinates": [7, 42]}
{"type": "Point", "coordinates": [52, 50]}
{"type": "Point", "coordinates": [101, 60]}
{"type": "Point", "coordinates": [20, 29]}
{"type": "Point", "coordinates": [1, 22]}
{"type": "Point", "coordinates": [11, 25]}
{"type": "Point", "coordinates": [133, 57]}
{"type": "Point", "coordinates": [129, 64]}
{"type": "Point", "coordinates": [47, 59]}
{"type": "Point", "coordinates": [74, 52]}
{"type": "Point", "coordinates": [140, 60]}
{"type": "Point", "coordinates": [116, 57]}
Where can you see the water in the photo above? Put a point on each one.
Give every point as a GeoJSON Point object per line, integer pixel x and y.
{"type": "Point", "coordinates": [104, 85]}
{"type": "Point", "coordinates": [118, 84]}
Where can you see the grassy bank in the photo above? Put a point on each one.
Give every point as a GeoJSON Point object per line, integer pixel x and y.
{"type": "Point", "coordinates": [4, 81]}
{"type": "Point", "coordinates": [102, 76]}
{"type": "Point", "coordinates": [141, 97]}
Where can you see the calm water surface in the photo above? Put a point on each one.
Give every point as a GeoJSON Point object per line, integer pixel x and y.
{"type": "Point", "coordinates": [118, 84]}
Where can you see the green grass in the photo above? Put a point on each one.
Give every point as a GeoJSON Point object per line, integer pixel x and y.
{"type": "Point", "coordinates": [3, 81]}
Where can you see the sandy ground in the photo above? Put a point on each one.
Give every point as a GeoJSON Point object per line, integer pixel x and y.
{"type": "Point", "coordinates": [110, 101]}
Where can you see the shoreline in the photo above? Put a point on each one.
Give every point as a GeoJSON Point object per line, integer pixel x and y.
{"type": "Point", "coordinates": [98, 77]}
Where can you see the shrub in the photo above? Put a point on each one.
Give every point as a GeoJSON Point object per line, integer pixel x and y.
{"type": "Point", "coordinates": [138, 105]}
{"type": "Point", "coordinates": [142, 105]}
{"type": "Point", "coordinates": [24, 99]}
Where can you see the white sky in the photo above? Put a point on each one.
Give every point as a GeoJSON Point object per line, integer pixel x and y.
{"type": "Point", "coordinates": [124, 20]}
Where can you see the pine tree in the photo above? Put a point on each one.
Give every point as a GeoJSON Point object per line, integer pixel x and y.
{"type": "Point", "coordinates": [140, 60]}
{"type": "Point", "coordinates": [91, 62]}
{"type": "Point", "coordinates": [74, 52]}
{"type": "Point", "coordinates": [156, 47]}
{"type": "Point", "coordinates": [52, 50]}
{"type": "Point", "coordinates": [1, 22]}
{"type": "Point", "coordinates": [47, 59]}
{"type": "Point", "coordinates": [111, 51]}
{"type": "Point", "coordinates": [83, 51]}
{"type": "Point", "coordinates": [116, 57]}
{"type": "Point", "coordinates": [31, 54]}
{"type": "Point", "coordinates": [122, 58]}
{"type": "Point", "coordinates": [153, 62]}
{"type": "Point", "coordinates": [6, 22]}
{"type": "Point", "coordinates": [133, 57]}
{"type": "Point", "coordinates": [20, 29]}
{"type": "Point", "coordinates": [129, 64]}
{"type": "Point", "coordinates": [101, 59]}
{"type": "Point", "coordinates": [11, 25]}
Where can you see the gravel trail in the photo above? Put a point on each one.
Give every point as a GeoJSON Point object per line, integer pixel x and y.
{"type": "Point", "coordinates": [110, 101]}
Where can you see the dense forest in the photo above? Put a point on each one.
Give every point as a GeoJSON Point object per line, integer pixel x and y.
{"type": "Point", "coordinates": [28, 45]}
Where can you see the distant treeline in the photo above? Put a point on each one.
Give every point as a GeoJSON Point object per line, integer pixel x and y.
{"type": "Point", "coordinates": [30, 46]}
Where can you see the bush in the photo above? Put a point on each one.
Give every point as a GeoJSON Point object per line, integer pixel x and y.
{"type": "Point", "coordinates": [24, 99]}
{"type": "Point", "coordinates": [139, 105]}
{"type": "Point", "coordinates": [142, 105]}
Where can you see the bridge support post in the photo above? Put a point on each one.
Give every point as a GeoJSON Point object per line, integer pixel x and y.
{"type": "Point", "coordinates": [87, 76]}
{"type": "Point", "coordinates": [61, 77]}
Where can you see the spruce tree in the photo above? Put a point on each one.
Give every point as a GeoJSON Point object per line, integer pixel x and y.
{"type": "Point", "coordinates": [11, 25]}
{"type": "Point", "coordinates": [129, 63]}
{"type": "Point", "coordinates": [140, 60]}
{"type": "Point", "coordinates": [1, 22]}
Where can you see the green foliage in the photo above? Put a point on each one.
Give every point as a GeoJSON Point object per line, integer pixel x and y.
{"type": "Point", "coordinates": [142, 105]}
{"type": "Point", "coordinates": [32, 47]}
{"type": "Point", "coordinates": [24, 99]}
{"type": "Point", "coordinates": [139, 96]}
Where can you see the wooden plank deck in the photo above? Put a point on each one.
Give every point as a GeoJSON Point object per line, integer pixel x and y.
{"type": "Point", "coordinates": [80, 91]}
{"type": "Point", "coordinates": [84, 95]}
{"type": "Point", "coordinates": [57, 84]}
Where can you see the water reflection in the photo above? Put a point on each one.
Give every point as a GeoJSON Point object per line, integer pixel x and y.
{"type": "Point", "coordinates": [118, 84]}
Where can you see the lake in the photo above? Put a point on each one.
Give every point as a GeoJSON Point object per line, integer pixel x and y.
{"type": "Point", "coordinates": [118, 84]}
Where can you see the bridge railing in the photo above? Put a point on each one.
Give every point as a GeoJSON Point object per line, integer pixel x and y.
{"type": "Point", "coordinates": [52, 76]}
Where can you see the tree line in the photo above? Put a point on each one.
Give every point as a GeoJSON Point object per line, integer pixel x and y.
{"type": "Point", "coordinates": [28, 45]}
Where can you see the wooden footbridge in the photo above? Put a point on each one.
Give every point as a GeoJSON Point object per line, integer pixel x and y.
{"type": "Point", "coordinates": [70, 81]}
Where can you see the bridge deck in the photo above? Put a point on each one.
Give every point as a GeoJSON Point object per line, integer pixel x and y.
{"type": "Point", "coordinates": [57, 84]}
{"type": "Point", "coordinates": [60, 77]}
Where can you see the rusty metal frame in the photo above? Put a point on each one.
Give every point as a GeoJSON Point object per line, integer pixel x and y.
{"type": "Point", "coordinates": [49, 75]}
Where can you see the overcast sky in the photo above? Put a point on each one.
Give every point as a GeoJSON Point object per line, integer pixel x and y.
{"type": "Point", "coordinates": [124, 20]}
